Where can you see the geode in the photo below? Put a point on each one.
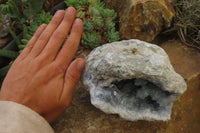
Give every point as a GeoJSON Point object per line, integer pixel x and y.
{"type": "Point", "coordinates": [134, 79]}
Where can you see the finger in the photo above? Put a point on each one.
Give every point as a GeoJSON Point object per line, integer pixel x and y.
{"type": "Point", "coordinates": [31, 43]}
{"type": "Point", "coordinates": [71, 45]}
{"type": "Point", "coordinates": [44, 37]}
{"type": "Point", "coordinates": [60, 34]}
{"type": "Point", "coordinates": [71, 79]}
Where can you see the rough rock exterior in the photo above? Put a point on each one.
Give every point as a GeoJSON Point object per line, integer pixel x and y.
{"type": "Point", "coordinates": [134, 79]}
{"type": "Point", "coordinates": [142, 19]}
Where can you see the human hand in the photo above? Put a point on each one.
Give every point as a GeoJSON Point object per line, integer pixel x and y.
{"type": "Point", "coordinates": [43, 76]}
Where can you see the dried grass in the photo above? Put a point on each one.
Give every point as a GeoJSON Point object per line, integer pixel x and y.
{"type": "Point", "coordinates": [187, 21]}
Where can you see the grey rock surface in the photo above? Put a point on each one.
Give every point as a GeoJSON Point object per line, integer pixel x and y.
{"type": "Point", "coordinates": [134, 79]}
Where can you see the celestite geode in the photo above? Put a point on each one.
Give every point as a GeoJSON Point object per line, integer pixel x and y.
{"type": "Point", "coordinates": [134, 79]}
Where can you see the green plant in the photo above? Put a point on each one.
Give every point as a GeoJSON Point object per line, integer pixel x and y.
{"type": "Point", "coordinates": [99, 22]}
{"type": "Point", "coordinates": [29, 15]}
{"type": "Point", "coordinates": [20, 10]}
{"type": "Point", "coordinates": [11, 10]}
{"type": "Point", "coordinates": [8, 54]}
{"type": "Point", "coordinates": [41, 18]}
{"type": "Point", "coordinates": [187, 21]}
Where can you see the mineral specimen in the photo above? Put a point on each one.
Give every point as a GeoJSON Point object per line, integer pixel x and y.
{"type": "Point", "coordinates": [142, 19]}
{"type": "Point", "coordinates": [134, 79]}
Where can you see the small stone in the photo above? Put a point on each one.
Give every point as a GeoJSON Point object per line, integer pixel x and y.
{"type": "Point", "coordinates": [139, 86]}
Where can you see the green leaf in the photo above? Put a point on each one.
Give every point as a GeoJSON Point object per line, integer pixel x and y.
{"type": "Point", "coordinates": [92, 1]}
{"type": "Point", "coordinates": [94, 12]}
{"type": "Point", "coordinates": [8, 54]}
{"type": "Point", "coordinates": [98, 21]}
{"type": "Point", "coordinates": [99, 6]}
{"type": "Point", "coordinates": [25, 42]}
{"type": "Point", "coordinates": [91, 40]}
{"type": "Point", "coordinates": [23, 46]}
{"type": "Point", "coordinates": [28, 32]}
{"type": "Point", "coordinates": [27, 36]}
{"type": "Point", "coordinates": [73, 3]}
{"type": "Point", "coordinates": [25, 30]}
{"type": "Point", "coordinates": [80, 14]}
{"type": "Point", "coordinates": [109, 24]}
{"type": "Point", "coordinates": [27, 12]}
{"type": "Point", "coordinates": [11, 10]}
{"type": "Point", "coordinates": [34, 7]}
{"type": "Point", "coordinates": [108, 13]}
{"type": "Point", "coordinates": [88, 25]}
{"type": "Point", "coordinates": [43, 17]}
{"type": "Point", "coordinates": [76, 3]}
{"type": "Point", "coordinates": [83, 2]}
{"type": "Point", "coordinates": [14, 36]}
{"type": "Point", "coordinates": [112, 35]}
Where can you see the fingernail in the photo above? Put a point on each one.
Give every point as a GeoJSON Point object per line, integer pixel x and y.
{"type": "Point", "coordinates": [71, 10]}
{"type": "Point", "coordinates": [78, 21]}
{"type": "Point", "coordinates": [58, 13]}
{"type": "Point", "coordinates": [43, 26]}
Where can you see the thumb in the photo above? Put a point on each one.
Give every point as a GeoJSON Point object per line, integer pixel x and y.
{"type": "Point", "coordinates": [72, 77]}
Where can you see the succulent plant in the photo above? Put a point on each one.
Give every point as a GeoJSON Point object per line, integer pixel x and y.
{"type": "Point", "coordinates": [27, 13]}
{"type": "Point", "coordinates": [41, 18]}
{"type": "Point", "coordinates": [99, 22]}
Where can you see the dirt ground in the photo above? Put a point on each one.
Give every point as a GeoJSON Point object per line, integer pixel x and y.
{"type": "Point", "coordinates": [82, 117]}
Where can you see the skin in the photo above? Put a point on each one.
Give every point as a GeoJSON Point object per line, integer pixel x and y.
{"type": "Point", "coordinates": [43, 76]}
